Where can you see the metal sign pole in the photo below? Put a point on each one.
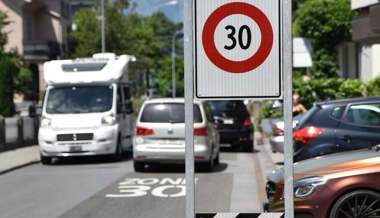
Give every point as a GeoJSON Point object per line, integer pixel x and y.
{"type": "Point", "coordinates": [189, 117]}
{"type": "Point", "coordinates": [288, 106]}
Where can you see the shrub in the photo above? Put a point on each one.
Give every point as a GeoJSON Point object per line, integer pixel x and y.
{"type": "Point", "coordinates": [7, 70]}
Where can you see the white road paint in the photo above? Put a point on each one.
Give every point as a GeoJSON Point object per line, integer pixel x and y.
{"type": "Point", "coordinates": [157, 187]}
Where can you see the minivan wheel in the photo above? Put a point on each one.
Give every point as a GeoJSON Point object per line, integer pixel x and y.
{"type": "Point", "coordinates": [139, 166]}
{"type": "Point", "coordinates": [46, 160]}
{"type": "Point", "coordinates": [357, 204]}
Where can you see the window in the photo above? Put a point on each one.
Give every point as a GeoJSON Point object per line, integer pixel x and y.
{"type": "Point", "coordinates": [168, 113]}
{"type": "Point", "coordinates": [337, 112]}
{"type": "Point", "coordinates": [79, 99]}
{"type": "Point", "coordinates": [365, 115]}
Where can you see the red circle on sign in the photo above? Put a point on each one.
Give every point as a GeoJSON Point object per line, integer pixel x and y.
{"type": "Point", "coordinates": [266, 37]}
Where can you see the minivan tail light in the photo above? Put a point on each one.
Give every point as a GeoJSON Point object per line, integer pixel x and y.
{"type": "Point", "coordinates": [201, 131]}
{"type": "Point", "coordinates": [305, 135]}
{"type": "Point", "coordinates": [143, 131]}
{"type": "Point", "coordinates": [247, 122]}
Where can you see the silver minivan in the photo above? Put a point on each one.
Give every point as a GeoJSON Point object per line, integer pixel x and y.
{"type": "Point", "coordinates": [160, 134]}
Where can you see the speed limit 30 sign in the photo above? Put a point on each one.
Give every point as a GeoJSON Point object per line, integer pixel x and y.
{"type": "Point", "coordinates": [238, 51]}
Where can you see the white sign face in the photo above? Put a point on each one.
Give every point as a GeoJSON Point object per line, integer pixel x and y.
{"type": "Point", "coordinates": [238, 52]}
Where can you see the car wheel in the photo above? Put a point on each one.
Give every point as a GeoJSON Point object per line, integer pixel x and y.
{"type": "Point", "coordinates": [361, 203]}
{"type": "Point", "coordinates": [46, 160]}
{"type": "Point", "coordinates": [248, 147]}
{"type": "Point", "coordinates": [139, 166]}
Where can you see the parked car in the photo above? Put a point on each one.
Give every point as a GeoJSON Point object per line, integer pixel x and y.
{"type": "Point", "coordinates": [277, 138]}
{"type": "Point", "coordinates": [337, 126]}
{"type": "Point", "coordinates": [340, 185]}
{"type": "Point", "coordinates": [234, 124]}
{"type": "Point", "coordinates": [160, 134]}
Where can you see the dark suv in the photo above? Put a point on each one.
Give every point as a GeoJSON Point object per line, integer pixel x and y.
{"type": "Point", "coordinates": [337, 126]}
{"type": "Point", "coordinates": [233, 123]}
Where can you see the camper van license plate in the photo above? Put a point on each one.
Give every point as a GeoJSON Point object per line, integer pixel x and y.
{"type": "Point", "coordinates": [75, 148]}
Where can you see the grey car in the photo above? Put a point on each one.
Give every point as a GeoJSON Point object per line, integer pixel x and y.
{"type": "Point", "coordinates": [160, 134]}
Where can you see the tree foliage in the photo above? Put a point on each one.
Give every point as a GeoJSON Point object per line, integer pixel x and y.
{"type": "Point", "coordinates": [3, 34]}
{"type": "Point", "coordinates": [327, 23]}
{"type": "Point", "coordinates": [373, 87]}
{"type": "Point", "coordinates": [147, 38]}
{"type": "Point", "coordinates": [7, 70]}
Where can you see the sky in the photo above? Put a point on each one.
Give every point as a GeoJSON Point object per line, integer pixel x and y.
{"type": "Point", "coordinates": [172, 8]}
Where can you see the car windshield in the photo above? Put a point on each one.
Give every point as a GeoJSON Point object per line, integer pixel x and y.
{"type": "Point", "coordinates": [168, 113]}
{"type": "Point", "coordinates": [79, 99]}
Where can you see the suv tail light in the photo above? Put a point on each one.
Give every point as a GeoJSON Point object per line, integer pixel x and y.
{"type": "Point", "coordinates": [277, 131]}
{"type": "Point", "coordinates": [247, 122]}
{"type": "Point", "coordinates": [143, 131]}
{"type": "Point", "coordinates": [201, 131]}
{"type": "Point", "coordinates": [305, 135]}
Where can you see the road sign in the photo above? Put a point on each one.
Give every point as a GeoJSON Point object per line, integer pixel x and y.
{"type": "Point", "coordinates": [238, 51]}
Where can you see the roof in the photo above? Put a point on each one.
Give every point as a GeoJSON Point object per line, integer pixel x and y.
{"type": "Point", "coordinates": [103, 67]}
{"type": "Point", "coordinates": [167, 100]}
{"type": "Point", "coordinates": [348, 101]}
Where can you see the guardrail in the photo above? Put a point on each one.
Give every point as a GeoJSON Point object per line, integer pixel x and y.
{"type": "Point", "coordinates": [18, 131]}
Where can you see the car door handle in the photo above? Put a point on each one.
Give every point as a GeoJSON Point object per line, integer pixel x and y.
{"type": "Point", "coordinates": [346, 138]}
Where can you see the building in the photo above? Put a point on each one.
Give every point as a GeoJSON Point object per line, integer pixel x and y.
{"type": "Point", "coordinates": [38, 30]}
{"type": "Point", "coordinates": [360, 58]}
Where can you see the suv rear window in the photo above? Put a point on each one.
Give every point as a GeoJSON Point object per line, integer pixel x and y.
{"type": "Point", "coordinates": [220, 107]}
{"type": "Point", "coordinates": [168, 113]}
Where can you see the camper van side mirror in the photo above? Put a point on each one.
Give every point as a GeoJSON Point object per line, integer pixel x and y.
{"type": "Point", "coordinates": [35, 111]}
{"type": "Point", "coordinates": [129, 107]}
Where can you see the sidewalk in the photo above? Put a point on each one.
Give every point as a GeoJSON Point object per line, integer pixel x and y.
{"type": "Point", "coordinates": [17, 158]}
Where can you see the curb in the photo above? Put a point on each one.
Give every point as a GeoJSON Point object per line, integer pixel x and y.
{"type": "Point", "coordinates": [19, 166]}
{"type": "Point", "coordinates": [18, 158]}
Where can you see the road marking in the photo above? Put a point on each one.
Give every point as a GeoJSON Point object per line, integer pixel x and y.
{"type": "Point", "coordinates": [157, 187]}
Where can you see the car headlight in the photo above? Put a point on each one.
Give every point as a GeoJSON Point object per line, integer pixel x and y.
{"type": "Point", "coordinates": [45, 121]}
{"type": "Point", "coordinates": [307, 186]}
{"type": "Point", "coordinates": [109, 120]}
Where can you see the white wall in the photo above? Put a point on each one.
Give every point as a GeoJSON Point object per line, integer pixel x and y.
{"type": "Point", "coordinates": [356, 4]}
{"type": "Point", "coordinates": [376, 60]}
{"type": "Point", "coordinates": [365, 62]}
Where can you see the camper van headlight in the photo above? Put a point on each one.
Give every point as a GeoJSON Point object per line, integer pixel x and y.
{"type": "Point", "coordinates": [45, 122]}
{"type": "Point", "coordinates": [109, 120]}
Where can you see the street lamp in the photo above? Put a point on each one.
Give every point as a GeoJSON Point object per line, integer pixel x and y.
{"type": "Point", "coordinates": [174, 87]}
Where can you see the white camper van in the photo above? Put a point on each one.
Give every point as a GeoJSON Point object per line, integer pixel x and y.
{"type": "Point", "coordinates": [87, 107]}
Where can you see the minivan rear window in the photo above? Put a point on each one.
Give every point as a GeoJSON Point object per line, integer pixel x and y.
{"type": "Point", "coordinates": [168, 113]}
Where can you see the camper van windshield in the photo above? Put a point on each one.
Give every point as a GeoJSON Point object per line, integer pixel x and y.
{"type": "Point", "coordinates": [79, 99]}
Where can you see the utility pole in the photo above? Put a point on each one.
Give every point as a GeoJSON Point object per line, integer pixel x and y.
{"type": "Point", "coordinates": [102, 26]}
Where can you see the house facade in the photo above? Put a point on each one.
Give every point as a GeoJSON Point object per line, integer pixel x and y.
{"type": "Point", "coordinates": [38, 30]}
{"type": "Point", "coordinates": [361, 57]}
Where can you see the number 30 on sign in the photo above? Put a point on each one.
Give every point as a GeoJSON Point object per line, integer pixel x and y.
{"type": "Point", "coordinates": [237, 49]}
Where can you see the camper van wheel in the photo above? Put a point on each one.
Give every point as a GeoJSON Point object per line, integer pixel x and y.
{"type": "Point", "coordinates": [46, 160]}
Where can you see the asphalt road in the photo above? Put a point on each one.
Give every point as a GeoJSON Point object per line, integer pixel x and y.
{"type": "Point", "coordinates": [97, 188]}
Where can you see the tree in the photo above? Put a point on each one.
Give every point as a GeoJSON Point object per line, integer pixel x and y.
{"type": "Point", "coordinates": [7, 71]}
{"type": "Point", "coordinates": [147, 38]}
{"type": "Point", "coordinates": [327, 23]}
{"type": "Point", "coordinates": [3, 35]}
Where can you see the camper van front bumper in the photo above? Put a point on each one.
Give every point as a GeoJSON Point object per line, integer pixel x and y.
{"type": "Point", "coordinates": [89, 142]}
